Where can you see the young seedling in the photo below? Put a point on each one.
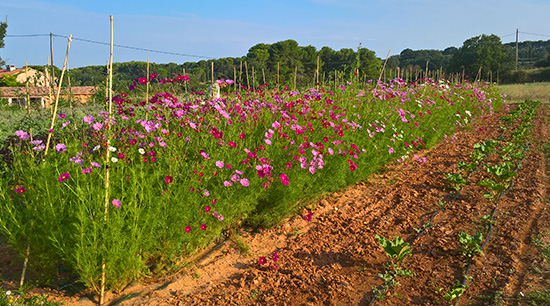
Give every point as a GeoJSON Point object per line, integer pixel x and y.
{"type": "Point", "coordinates": [455, 292]}
{"type": "Point", "coordinates": [470, 244]}
{"type": "Point", "coordinates": [456, 181]}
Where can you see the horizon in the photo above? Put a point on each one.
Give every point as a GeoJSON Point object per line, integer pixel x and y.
{"type": "Point", "coordinates": [189, 32]}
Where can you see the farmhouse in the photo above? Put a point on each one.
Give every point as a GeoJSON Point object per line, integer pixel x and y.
{"type": "Point", "coordinates": [41, 95]}
{"type": "Point", "coordinates": [37, 91]}
{"type": "Point", "coordinates": [23, 75]}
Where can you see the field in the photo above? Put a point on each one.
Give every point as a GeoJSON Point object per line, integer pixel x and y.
{"type": "Point", "coordinates": [446, 201]}
{"type": "Point", "coordinates": [521, 92]}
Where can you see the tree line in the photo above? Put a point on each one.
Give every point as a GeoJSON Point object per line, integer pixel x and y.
{"type": "Point", "coordinates": [286, 62]}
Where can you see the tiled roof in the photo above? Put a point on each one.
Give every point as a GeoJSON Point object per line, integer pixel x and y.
{"type": "Point", "coordinates": [43, 91]}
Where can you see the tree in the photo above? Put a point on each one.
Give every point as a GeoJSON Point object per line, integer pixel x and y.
{"type": "Point", "coordinates": [3, 27]}
{"type": "Point", "coordinates": [486, 52]}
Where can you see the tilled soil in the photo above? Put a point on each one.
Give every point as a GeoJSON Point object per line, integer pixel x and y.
{"type": "Point", "coordinates": [334, 259]}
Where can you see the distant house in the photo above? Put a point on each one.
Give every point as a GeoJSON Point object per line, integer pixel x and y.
{"type": "Point", "coordinates": [41, 95]}
{"type": "Point", "coordinates": [22, 75]}
{"type": "Point", "coordinates": [37, 91]}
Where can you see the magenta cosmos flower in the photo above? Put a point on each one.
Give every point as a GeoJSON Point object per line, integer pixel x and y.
{"type": "Point", "coordinates": [168, 179]}
{"type": "Point", "coordinates": [64, 176]}
{"type": "Point", "coordinates": [262, 260]}
{"type": "Point", "coordinates": [284, 179]}
{"type": "Point", "coordinates": [188, 229]}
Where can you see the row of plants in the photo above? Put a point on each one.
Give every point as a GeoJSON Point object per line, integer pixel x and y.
{"type": "Point", "coordinates": [509, 155]}
{"type": "Point", "coordinates": [510, 152]}
{"type": "Point", "coordinates": [181, 171]}
{"type": "Point", "coordinates": [398, 249]}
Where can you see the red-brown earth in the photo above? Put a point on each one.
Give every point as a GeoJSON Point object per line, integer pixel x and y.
{"type": "Point", "coordinates": [335, 259]}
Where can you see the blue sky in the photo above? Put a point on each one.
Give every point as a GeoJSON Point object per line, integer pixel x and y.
{"type": "Point", "coordinates": [215, 29]}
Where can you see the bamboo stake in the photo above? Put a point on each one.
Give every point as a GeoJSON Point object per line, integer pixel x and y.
{"type": "Point", "coordinates": [295, 76]}
{"type": "Point", "coordinates": [253, 79]}
{"type": "Point", "coordinates": [317, 73]}
{"type": "Point", "coordinates": [247, 80]}
{"type": "Point", "coordinates": [70, 90]}
{"type": "Point", "coordinates": [241, 76]}
{"type": "Point", "coordinates": [27, 88]}
{"type": "Point", "coordinates": [47, 83]}
{"type": "Point", "coordinates": [212, 70]}
{"type": "Point", "coordinates": [234, 77]}
{"type": "Point", "coordinates": [25, 263]}
{"type": "Point", "coordinates": [57, 96]}
{"type": "Point", "coordinates": [278, 73]}
{"type": "Point", "coordinates": [147, 92]}
{"type": "Point", "coordinates": [52, 66]}
{"type": "Point", "coordinates": [107, 155]}
{"type": "Point", "coordinates": [383, 68]}
{"type": "Point", "coordinates": [263, 75]}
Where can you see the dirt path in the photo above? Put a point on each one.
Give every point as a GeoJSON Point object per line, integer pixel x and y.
{"type": "Point", "coordinates": [335, 259]}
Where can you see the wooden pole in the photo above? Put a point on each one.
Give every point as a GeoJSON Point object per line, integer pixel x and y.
{"type": "Point", "coordinates": [54, 114]}
{"type": "Point", "coordinates": [212, 70]}
{"type": "Point", "coordinates": [146, 92]}
{"type": "Point", "coordinates": [295, 76]}
{"type": "Point", "coordinates": [383, 68]}
{"type": "Point", "coordinates": [278, 73]}
{"type": "Point", "coordinates": [51, 57]}
{"type": "Point", "coordinates": [27, 88]}
{"type": "Point", "coordinates": [247, 80]}
{"type": "Point", "coordinates": [234, 77]}
{"type": "Point", "coordinates": [253, 79]}
{"type": "Point", "coordinates": [107, 159]}
{"type": "Point", "coordinates": [241, 75]}
{"type": "Point", "coordinates": [70, 96]}
{"type": "Point", "coordinates": [263, 75]}
{"type": "Point", "coordinates": [317, 73]}
{"type": "Point", "coordinates": [48, 84]}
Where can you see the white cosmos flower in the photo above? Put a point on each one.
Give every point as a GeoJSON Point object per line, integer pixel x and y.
{"type": "Point", "coordinates": [114, 159]}
{"type": "Point", "coordinates": [141, 151]}
{"type": "Point", "coordinates": [112, 149]}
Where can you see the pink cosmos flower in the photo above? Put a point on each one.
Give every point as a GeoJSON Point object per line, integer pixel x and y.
{"type": "Point", "coordinates": [116, 203]}
{"type": "Point", "coordinates": [22, 135]}
{"type": "Point", "coordinates": [97, 126]}
{"type": "Point", "coordinates": [227, 183]}
{"type": "Point", "coordinates": [284, 179]}
{"type": "Point", "coordinates": [219, 164]}
{"type": "Point", "coordinates": [207, 208]}
{"type": "Point", "coordinates": [244, 182]}
{"type": "Point", "coordinates": [89, 119]}
{"type": "Point", "coordinates": [168, 179]}
{"type": "Point", "coordinates": [188, 229]}
{"type": "Point", "coordinates": [60, 147]}
{"type": "Point", "coordinates": [203, 226]}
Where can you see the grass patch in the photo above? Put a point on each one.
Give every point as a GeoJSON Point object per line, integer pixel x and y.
{"type": "Point", "coordinates": [522, 92]}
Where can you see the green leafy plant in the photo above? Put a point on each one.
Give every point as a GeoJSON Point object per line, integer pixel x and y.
{"type": "Point", "coordinates": [470, 244]}
{"type": "Point", "coordinates": [396, 249]}
{"type": "Point", "coordinates": [455, 181]}
{"type": "Point", "coordinates": [455, 292]}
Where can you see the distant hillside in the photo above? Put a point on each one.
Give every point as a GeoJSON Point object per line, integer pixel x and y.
{"type": "Point", "coordinates": [289, 63]}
